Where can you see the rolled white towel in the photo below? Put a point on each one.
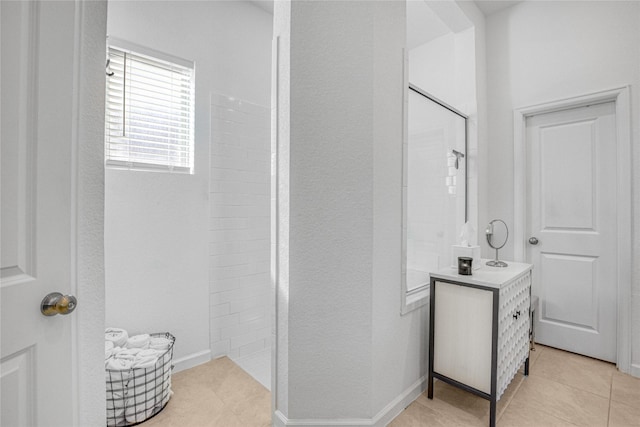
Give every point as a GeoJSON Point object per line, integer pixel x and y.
{"type": "Point", "coordinates": [127, 353]}
{"type": "Point", "coordinates": [117, 336]}
{"type": "Point", "coordinates": [112, 353]}
{"type": "Point", "coordinates": [149, 353]}
{"type": "Point", "coordinates": [119, 364]}
{"type": "Point", "coordinates": [137, 412]}
{"type": "Point", "coordinates": [115, 417]}
{"type": "Point", "coordinates": [116, 397]}
{"type": "Point", "coordinates": [116, 393]}
{"type": "Point", "coordinates": [166, 398]}
{"type": "Point", "coordinates": [141, 400]}
{"type": "Point", "coordinates": [139, 341]}
{"type": "Point", "coordinates": [152, 398]}
{"type": "Point", "coordinates": [108, 349]}
{"type": "Point", "coordinates": [159, 343]}
{"type": "Point", "coordinates": [149, 376]}
{"type": "Point", "coordinates": [146, 362]}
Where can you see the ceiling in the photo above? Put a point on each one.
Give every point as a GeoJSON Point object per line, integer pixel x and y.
{"type": "Point", "coordinates": [492, 6]}
{"type": "Point", "coordinates": [423, 25]}
{"type": "Point", "coordinates": [266, 5]}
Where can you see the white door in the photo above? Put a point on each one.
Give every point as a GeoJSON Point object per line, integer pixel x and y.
{"type": "Point", "coordinates": [39, 122]}
{"type": "Point", "coordinates": [571, 211]}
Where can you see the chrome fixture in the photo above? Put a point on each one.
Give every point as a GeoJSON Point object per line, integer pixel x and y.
{"type": "Point", "coordinates": [459, 156]}
{"type": "Point", "coordinates": [497, 234]}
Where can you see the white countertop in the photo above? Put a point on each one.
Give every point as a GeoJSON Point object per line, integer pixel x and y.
{"type": "Point", "coordinates": [491, 277]}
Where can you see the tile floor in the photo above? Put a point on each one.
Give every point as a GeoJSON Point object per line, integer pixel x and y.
{"type": "Point", "coordinates": [258, 365]}
{"type": "Point", "coordinates": [215, 394]}
{"type": "Point", "coordinates": [563, 389]}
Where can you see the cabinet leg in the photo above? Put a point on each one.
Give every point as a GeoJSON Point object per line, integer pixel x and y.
{"type": "Point", "coordinates": [526, 367]}
{"type": "Point", "coordinates": [492, 413]}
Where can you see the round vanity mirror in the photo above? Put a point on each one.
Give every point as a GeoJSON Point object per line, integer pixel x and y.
{"type": "Point", "coordinates": [497, 235]}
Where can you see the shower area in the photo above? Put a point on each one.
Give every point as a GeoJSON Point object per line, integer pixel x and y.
{"type": "Point", "coordinates": [239, 245]}
{"type": "Point", "coordinates": [440, 149]}
{"type": "Point", "coordinates": [188, 252]}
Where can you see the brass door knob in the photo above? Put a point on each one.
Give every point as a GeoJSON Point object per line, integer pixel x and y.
{"type": "Point", "coordinates": [56, 303]}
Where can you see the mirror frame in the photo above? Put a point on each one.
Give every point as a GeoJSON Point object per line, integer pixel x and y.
{"type": "Point", "coordinates": [506, 236]}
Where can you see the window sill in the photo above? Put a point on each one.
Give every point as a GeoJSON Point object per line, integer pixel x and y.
{"type": "Point", "coordinates": [415, 299]}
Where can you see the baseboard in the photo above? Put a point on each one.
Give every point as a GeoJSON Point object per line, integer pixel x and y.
{"type": "Point", "coordinates": [191, 360]}
{"type": "Point", "coordinates": [635, 370]}
{"type": "Point", "coordinates": [381, 419]}
{"type": "Point", "coordinates": [397, 405]}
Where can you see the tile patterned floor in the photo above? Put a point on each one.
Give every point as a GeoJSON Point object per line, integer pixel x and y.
{"type": "Point", "coordinates": [215, 394]}
{"type": "Point", "coordinates": [258, 365]}
{"type": "Point", "coordinates": [563, 389]}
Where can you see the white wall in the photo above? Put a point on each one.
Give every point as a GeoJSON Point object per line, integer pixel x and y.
{"type": "Point", "coordinates": [345, 356]}
{"type": "Point", "coordinates": [446, 68]}
{"type": "Point", "coordinates": [401, 342]}
{"type": "Point", "coordinates": [239, 226]}
{"type": "Point", "coordinates": [399, 345]}
{"type": "Point", "coordinates": [543, 51]}
{"type": "Point", "coordinates": [452, 68]}
{"type": "Point", "coordinates": [156, 240]}
{"type": "Point", "coordinates": [90, 210]}
{"type": "Point", "coordinates": [325, 205]}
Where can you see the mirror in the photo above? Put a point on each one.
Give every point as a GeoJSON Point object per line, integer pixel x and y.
{"type": "Point", "coordinates": [434, 177]}
{"type": "Point", "coordinates": [497, 234]}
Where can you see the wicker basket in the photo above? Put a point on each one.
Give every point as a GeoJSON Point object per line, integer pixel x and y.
{"type": "Point", "coordinates": [135, 395]}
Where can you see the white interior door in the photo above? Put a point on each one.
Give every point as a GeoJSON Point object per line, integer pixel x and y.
{"type": "Point", "coordinates": [38, 208]}
{"type": "Point", "coordinates": [571, 211]}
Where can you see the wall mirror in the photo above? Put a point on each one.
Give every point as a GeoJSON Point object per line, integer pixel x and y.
{"type": "Point", "coordinates": [435, 190]}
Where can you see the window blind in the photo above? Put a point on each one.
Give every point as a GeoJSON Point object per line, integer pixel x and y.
{"type": "Point", "coordinates": [149, 113]}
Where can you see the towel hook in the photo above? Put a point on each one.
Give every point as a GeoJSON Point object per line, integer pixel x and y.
{"type": "Point", "coordinates": [109, 72]}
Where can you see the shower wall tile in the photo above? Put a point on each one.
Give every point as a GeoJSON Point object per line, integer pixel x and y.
{"type": "Point", "coordinates": [252, 348]}
{"type": "Point", "coordinates": [239, 227]}
{"type": "Point", "coordinates": [220, 310]}
{"type": "Point", "coordinates": [220, 348]}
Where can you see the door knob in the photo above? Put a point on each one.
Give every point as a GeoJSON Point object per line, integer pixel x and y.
{"type": "Point", "coordinates": [56, 303]}
{"type": "Point", "coordinates": [533, 240]}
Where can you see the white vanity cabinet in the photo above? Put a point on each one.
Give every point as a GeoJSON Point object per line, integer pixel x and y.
{"type": "Point", "coordinates": [479, 329]}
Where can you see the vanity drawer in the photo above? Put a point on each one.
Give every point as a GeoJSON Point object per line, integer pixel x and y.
{"type": "Point", "coordinates": [513, 327]}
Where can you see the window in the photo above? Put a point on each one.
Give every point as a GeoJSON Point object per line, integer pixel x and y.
{"type": "Point", "coordinates": [149, 110]}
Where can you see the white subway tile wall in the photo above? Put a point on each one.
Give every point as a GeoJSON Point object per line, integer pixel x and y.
{"type": "Point", "coordinates": [239, 227]}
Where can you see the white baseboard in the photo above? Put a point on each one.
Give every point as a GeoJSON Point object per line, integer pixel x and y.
{"type": "Point", "coordinates": [381, 419]}
{"type": "Point", "coordinates": [191, 360]}
{"type": "Point", "coordinates": [397, 405]}
{"type": "Point", "coordinates": [635, 370]}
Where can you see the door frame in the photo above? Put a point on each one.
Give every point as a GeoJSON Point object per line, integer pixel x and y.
{"type": "Point", "coordinates": [620, 97]}
{"type": "Point", "coordinates": [87, 204]}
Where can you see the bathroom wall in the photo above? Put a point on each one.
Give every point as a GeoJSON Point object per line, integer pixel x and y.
{"type": "Point", "coordinates": [239, 225]}
{"type": "Point", "coordinates": [345, 354]}
{"type": "Point", "coordinates": [543, 51]}
{"type": "Point", "coordinates": [401, 342]}
{"type": "Point", "coordinates": [446, 68]}
{"type": "Point", "coordinates": [157, 245]}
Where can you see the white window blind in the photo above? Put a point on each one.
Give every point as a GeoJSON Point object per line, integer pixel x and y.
{"type": "Point", "coordinates": [149, 113]}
